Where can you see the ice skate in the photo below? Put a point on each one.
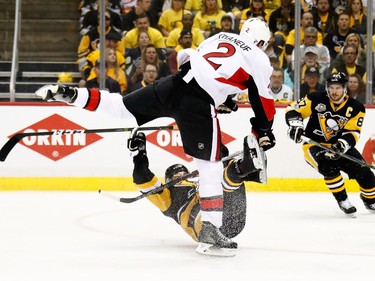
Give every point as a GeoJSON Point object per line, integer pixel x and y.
{"type": "Point", "coordinates": [57, 93]}
{"type": "Point", "coordinates": [213, 243]}
{"type": "Point", "coordinates": [370, 207]}
{"type": "Point", "coordinates": [347, 208]}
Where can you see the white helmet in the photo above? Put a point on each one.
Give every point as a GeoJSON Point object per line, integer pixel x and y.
{"type": "Point", "coordinates": [256, 30]}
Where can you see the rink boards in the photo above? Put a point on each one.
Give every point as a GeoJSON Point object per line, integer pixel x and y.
{"type": "Point", "coordinates": [94, 161]}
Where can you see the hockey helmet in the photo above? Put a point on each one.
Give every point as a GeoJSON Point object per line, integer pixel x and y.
{"type": "Point", "coordinates": [337, 77]}
{"type": "Point", "coordinates": [171, 171]}
{"type": "Point", "coordinates": [257, 31]}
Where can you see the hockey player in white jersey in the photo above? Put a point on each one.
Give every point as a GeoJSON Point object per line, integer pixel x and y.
{"type": "Point", "coordinates": [224, 64]}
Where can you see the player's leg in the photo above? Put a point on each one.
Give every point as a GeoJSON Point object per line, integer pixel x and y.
{"type": "Point", "coordinates": [364, 177]}
{"type": "Point", "coordinates": [330, 170]}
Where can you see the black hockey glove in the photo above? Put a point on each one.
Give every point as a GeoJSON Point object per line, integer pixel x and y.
{"type": "Point", "coordinates": [228, 106]}
{"type": "Point", "coordinates": [265, 138]}
{"type": "Point", "coordinates": [296, 130]}
{"type": "Point", "coordinates": [137, 143]}
{"type": "Point", "coordinates": [341, 146]}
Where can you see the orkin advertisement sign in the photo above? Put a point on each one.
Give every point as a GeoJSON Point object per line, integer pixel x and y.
{"type": "Point", "coordinates": [56, 147]}
{"type": "Point", "coordinates": [170, 140]}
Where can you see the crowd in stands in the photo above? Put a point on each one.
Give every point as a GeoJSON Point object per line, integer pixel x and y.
{"type": "Point", "coordinates": [143, 38]}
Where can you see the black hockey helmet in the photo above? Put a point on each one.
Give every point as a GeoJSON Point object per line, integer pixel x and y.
{"type": "Point", "coordinates": [337, 77]}
{"type": "Point", "coordinates": [173, 170]}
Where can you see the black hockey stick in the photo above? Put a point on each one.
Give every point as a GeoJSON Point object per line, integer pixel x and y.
{"type": "Point", "coordinates": [11, 143]}
{"type": "Point", "coordinates": [351, 158]}
{"type": "Point", "coordinates": [171, 183]}
{"type": "Point", "coordinates": [163, 186]}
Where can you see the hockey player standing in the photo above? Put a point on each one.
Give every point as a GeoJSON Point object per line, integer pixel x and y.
{"type": "Point", "coordinates": [223, 65]}
{"type": "Point", "coordinates": [334, 120]}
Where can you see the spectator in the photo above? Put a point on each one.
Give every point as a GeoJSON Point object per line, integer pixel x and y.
{"type": "Point", "coordinates": [133, 55]}
{"type": "Point", "coordinates": [324, 17]}
{"type": "Point", "coordinates": [185, 41]}
{"type": "Point", "coordinates": [208, 19]}
{"type": "Point", "coordinates": [130, 40]}
{"type": "Point", "coordinates": [127, 5]}
{"type": "Point", "coordinates": [335, 40]}
{"type": "Point", "coordinates": [112, 40]}
{"type": "Point", "coordinates": [114, 71]}
{"type": "Point", "coordinates": [142, 8]}
{"type": "Point", "coordinates": [310, 38]}
{"type": "Point", "coordinates": [310, 59]}
{"type": "Point", "coordinates": [358, 20]}
{"type": "Point", "coordinates": [110, 84]}
{"type": "Point", "coordinates": [149, 74]}
{"type": "Point", "coordinates": [272, 5]}
{"type": "Point", "coordinates": [187, 24]}
{"type": "Point", "coordinates": [196, 5]}
{"type": "Point", "coordinates": [149, 55]}
{"type": "Point", "coordinates": [308, 5]}
{"type": "Point", "coordinates": [352, 38]}
{"type": "Point", "coordinates": [349, 66]}
{"type": "Point", "coordinates": [89, 14]}
{"type": "Point", "coordinates": [311, 83]}
{"type": "Point", "coordinates": [306, 21]}
{"type": "Point", "coordinates": [256, 9]}
{"type": "Point", "coordinates": [236, 6]}
{"type": "Point", "coordinates": [356, 88]}
{"type": "Point", "coordinates": [227, 24]}
{"type": "Point", "coordinates": [281, 22]}
{"type": "Point", "coordinates": [280, 92]}
{"type": "Point", "coordinates": [340, 6]}
{"type": "Point", "coordinates": [171, 18]}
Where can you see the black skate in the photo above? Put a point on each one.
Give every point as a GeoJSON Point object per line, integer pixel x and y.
{"type": "Point", "coordinates": [213, 243]}
{"type": "Point", "coordinates": [370, 207]}
{"type": "Point", "coordinates": [347, 208]}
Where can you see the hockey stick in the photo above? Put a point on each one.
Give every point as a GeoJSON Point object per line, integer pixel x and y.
{"type": "Point", "coordinates": [11, 143]}
{"type": "Point", "coordinates": [163, 186]}
{"type": "Point", "coordinates": [351, 158]}
{"type": "Point", "coordinates": [154, 191]}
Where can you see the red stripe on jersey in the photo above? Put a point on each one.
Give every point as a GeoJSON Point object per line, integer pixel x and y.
{"type": "Point", "coordinates": [238, 79]}
{"type": "Point", "coordinates": [269, 107]}
{"type": "Point", "coordinates": [214, 203]}
{"type": "Point", "coordinates": [93, 100]}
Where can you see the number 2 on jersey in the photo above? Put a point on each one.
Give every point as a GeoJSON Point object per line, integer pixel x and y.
{"type": "Point", "coordinates": [228, 52]}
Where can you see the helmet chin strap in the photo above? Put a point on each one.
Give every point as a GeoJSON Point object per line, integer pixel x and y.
{"type": "Point", "coordinates": [342, 98]}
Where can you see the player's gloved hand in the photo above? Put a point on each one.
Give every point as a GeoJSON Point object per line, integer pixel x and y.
{"type": "Point", "coordinates": [266, 138]}
{"type": "Point", "coordinates": [57, 93]}
{"type": "Point", "coordinates": [228, 106]}
{"type": "Point", "coordinates": [296, 130]}
{"type": "Point", "coordinates": [137, 143]}
{"type": "Point", "coordinates": [341, 146]}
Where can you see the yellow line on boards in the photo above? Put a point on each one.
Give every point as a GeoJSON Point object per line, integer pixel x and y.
{"type": "Point", "coordinates": [126, 184]}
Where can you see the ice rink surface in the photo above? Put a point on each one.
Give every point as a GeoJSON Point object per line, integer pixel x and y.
{"type": "Point", "coordinates": [53, 236]}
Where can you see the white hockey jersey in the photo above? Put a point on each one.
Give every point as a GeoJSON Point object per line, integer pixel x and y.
{"type": "Point", "coordinates": [222, 65]}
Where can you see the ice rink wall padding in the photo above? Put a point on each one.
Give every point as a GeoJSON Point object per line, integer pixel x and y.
{"type": "Point", "coordinates": [92, 162]}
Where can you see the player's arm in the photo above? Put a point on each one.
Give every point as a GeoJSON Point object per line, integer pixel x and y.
{"type": "Point", "coordinates": [144, 179]}
{"type": "Point", "coordinates": [295, 114]}
{"type": "Point", "coordinates": [263, 106]}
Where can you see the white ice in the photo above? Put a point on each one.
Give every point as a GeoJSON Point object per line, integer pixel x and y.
{"type": "Point", "coordinates": [53, 236]}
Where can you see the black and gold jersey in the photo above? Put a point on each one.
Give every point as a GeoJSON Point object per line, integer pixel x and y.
{"type": "Point", "coordinates": [328, 122]}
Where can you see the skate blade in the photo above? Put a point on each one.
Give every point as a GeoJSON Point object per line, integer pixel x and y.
{"type": "Point", "coordinates": [211, 250]}
{"type": "Point", "coordinates": [352, 215]}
